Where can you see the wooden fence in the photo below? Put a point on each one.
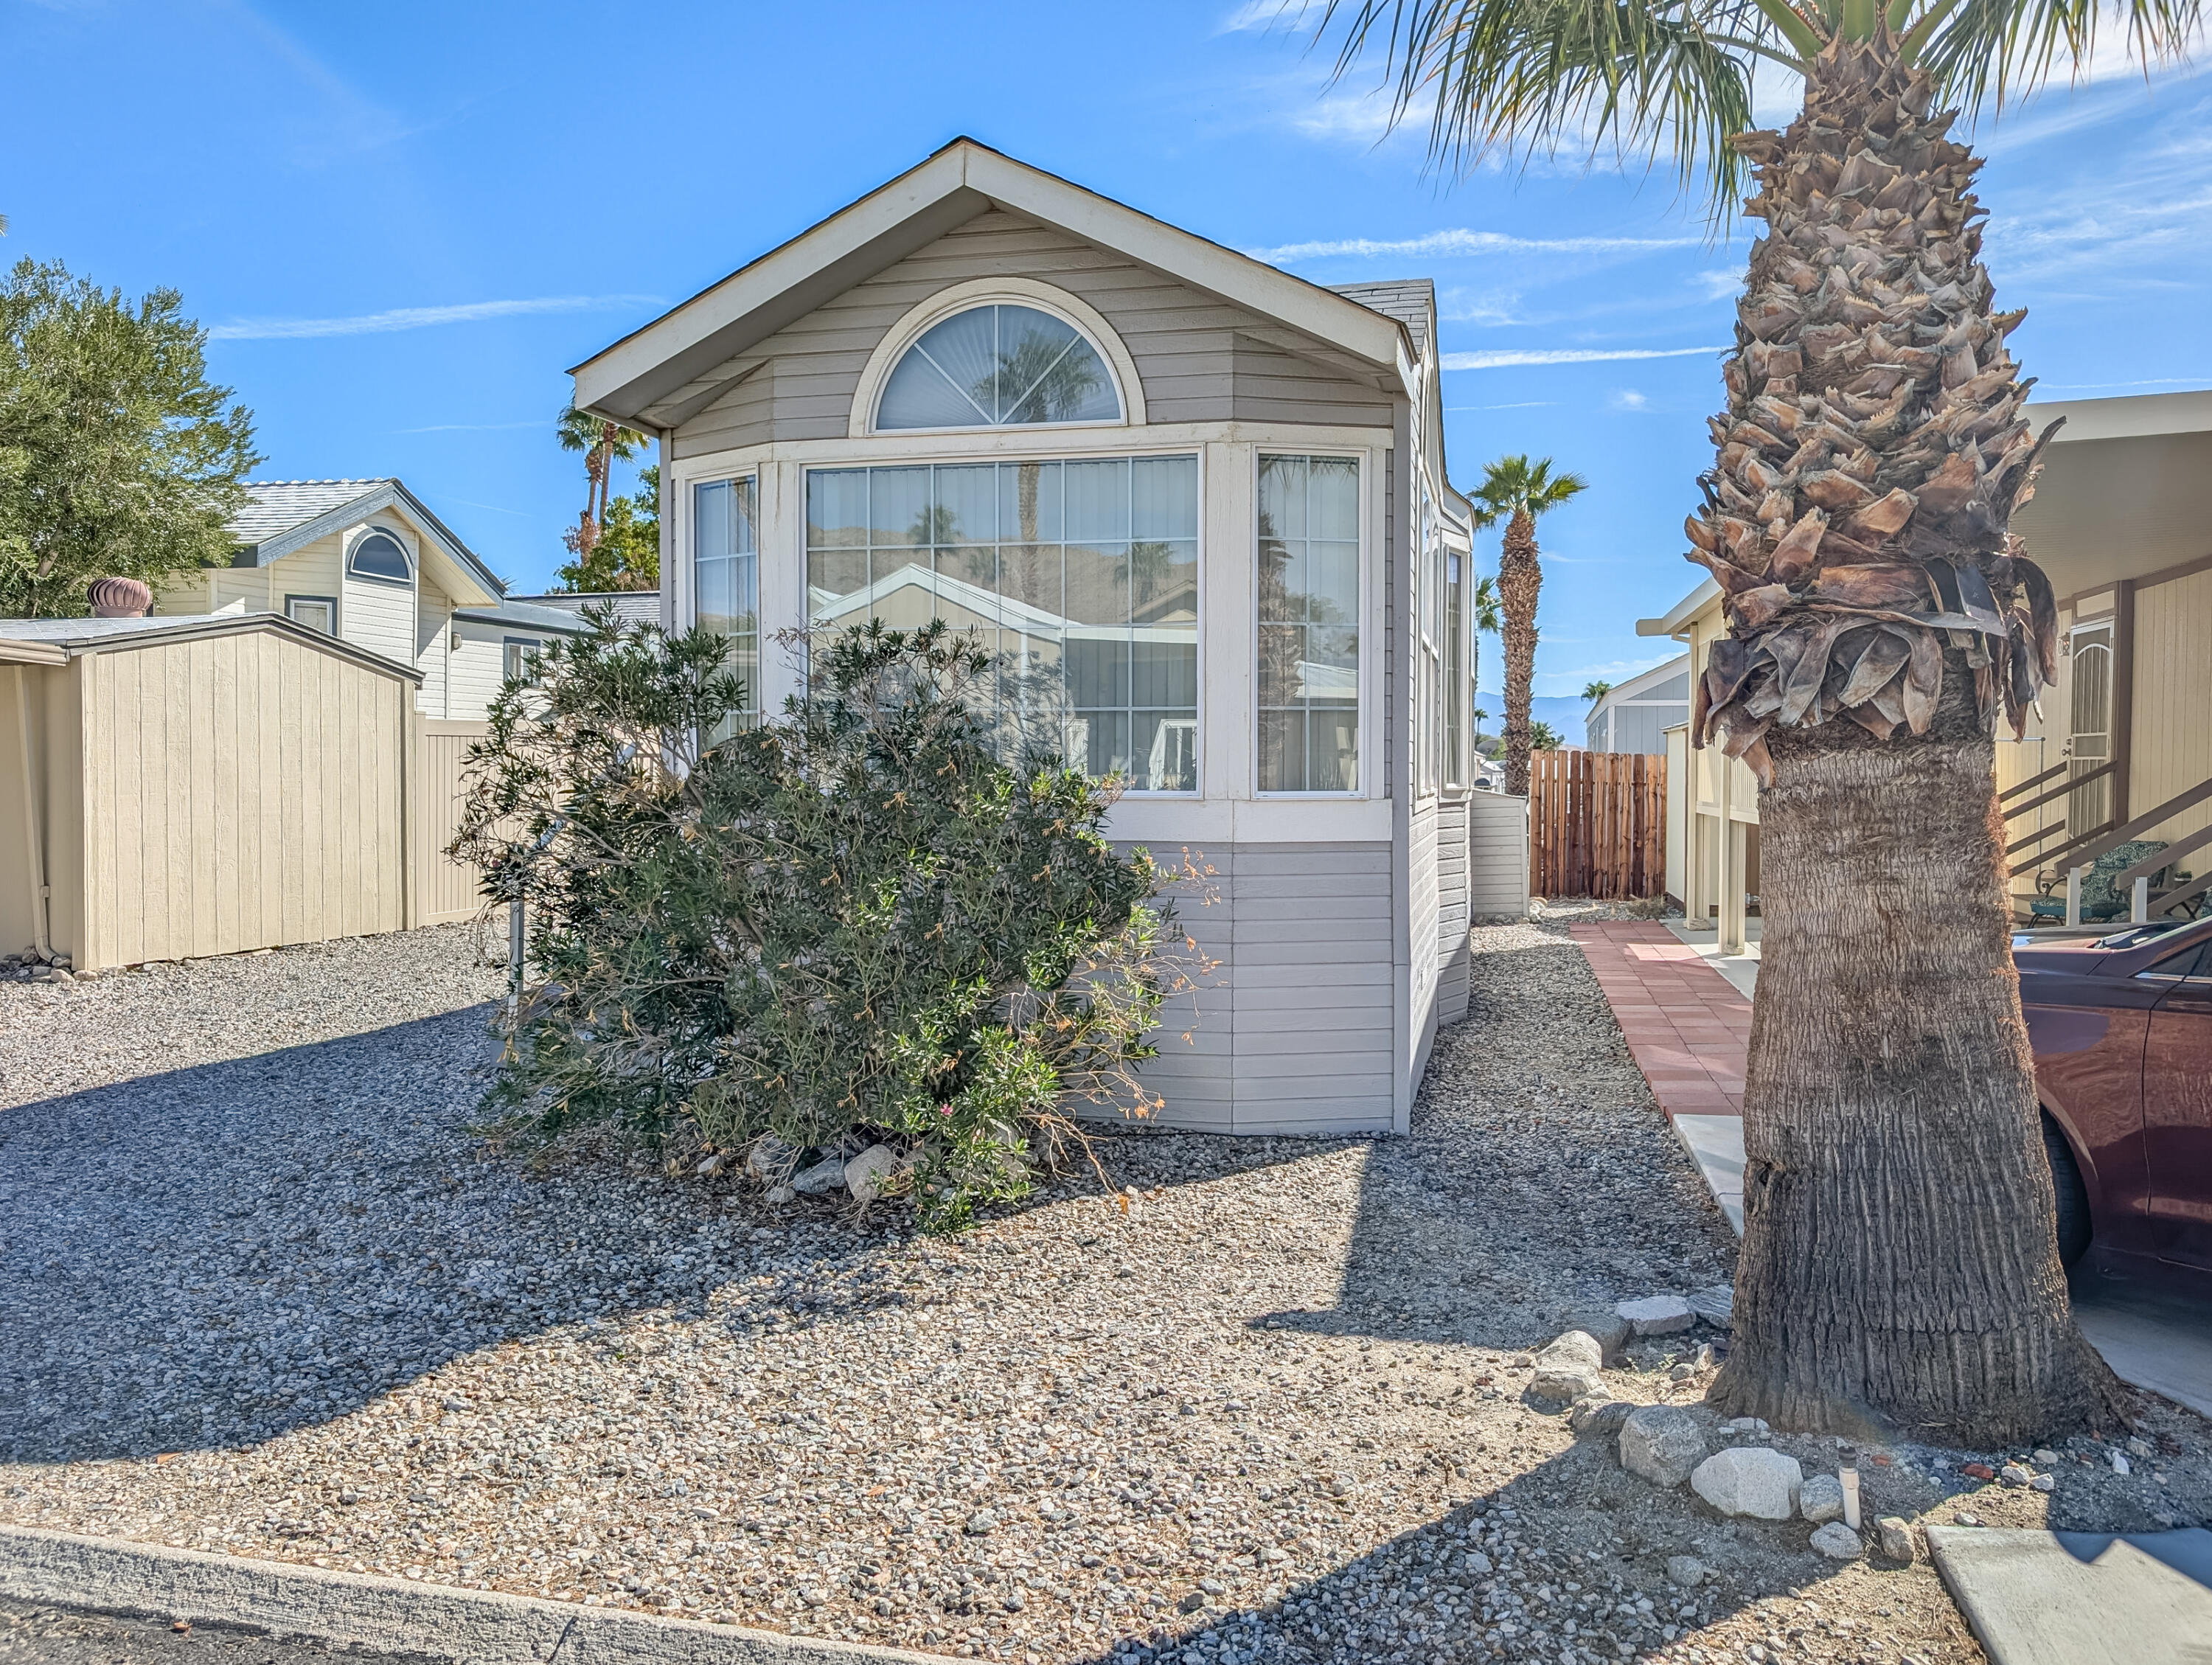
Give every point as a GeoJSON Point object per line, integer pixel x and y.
{"type": "Point", "coordinates": [1597, 823]}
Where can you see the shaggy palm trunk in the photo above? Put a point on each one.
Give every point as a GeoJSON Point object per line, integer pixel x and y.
{"type": "Point", "coordinates": [1519, 579]}
{"type": "Point", "coordinates": [1899, 1268]}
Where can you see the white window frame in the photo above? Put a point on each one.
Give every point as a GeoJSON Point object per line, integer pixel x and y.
{"type": "Point", "coordinates": [685, 493]}
{"type": "Point", "coordinates": [529, 644]}
{"type": "Point", "coordinates": [1072, 310]}
{"type": "Point", "coordinates": [1043, 453]}
{"type": "Point", "coordinates": [329, 601]}
{"type": "Point", "coordinates": [1367, 678]}
{"type": "Point", "coordinates": [407, 554]}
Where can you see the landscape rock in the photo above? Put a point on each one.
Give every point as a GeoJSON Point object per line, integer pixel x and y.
{"type": "Point", "coordinates": [1745, 1424]}
{"type": "Point", "coordinates": [1609, 1329]}
{"type": "Point", "coordinates": [824, 1177]}
{"type": "Point", "coordinates": [1750, 1479]}
{"type": "Point", "coordinates": [865, 1173]}
{"type": "Point", "coordinates": [1821, 1498]}
{"type": "Point", "coordinates": [1838, 1542]}
{"type": "Point", "coordinates": [2045, 1482]}
{"type": "Point", "coordinates": [1599, 1417]}
{"type": "Point", "coordinates": [980, 1522]}
{"type": "Point", "coordinates": [1716, 1305]}
{"type": "Point", "coordinates": [2012, 1474]}
{"type": "Point", "coordinates": [1895, 1537]}
{"type": "Point", "coordinates": [1568, 1368]}
{"type": "Point", "coordinates": [1687, 1570]}
{"type": "Point", "coordinates": [1657, 1314]}
{"type": "Point", "coordinates": [770, 1157]}
{"type": "Point", "coordinates": [1662, 1444]}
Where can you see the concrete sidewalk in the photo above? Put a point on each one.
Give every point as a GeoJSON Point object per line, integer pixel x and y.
{"type": "Point", "coordinates": [2080, 1598]}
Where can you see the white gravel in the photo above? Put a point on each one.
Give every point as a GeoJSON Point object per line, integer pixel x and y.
{"type": "Point", "coordinates": [285, 1302]}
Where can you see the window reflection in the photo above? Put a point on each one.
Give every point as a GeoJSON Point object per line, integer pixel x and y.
{"type": "Point", "coordinates": [725, 569]}
{"type": "Point", "coordinates": [993, 367]}
{"type": "Point", "coordinates": [1081, 576]}
{"type": "Point", "coordinates": [1308, 682]}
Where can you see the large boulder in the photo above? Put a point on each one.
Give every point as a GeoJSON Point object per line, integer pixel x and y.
{"type": "Point", "coordinates": [1596, 1418]}
{"type": "Point", "coordinates": [1750, 1479]}
{"type": "Point", "coordinates": [824, 1177]}
{"type": "Point", "coordinates": [1609, 1329]}
{"type": "Point", "coordinates": [1568, 1368]}
{"type": "Point", "coordinates": [866, 1174]}
{"type": "Point", "coordinates": [1662, 1444]}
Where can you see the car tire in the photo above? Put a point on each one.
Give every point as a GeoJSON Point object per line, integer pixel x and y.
{"type": "Point", "coordinates": [2072, 1195]}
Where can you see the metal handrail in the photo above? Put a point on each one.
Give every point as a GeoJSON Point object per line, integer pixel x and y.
{"type": "Point", "coordinates": [2019, 786]}
{"type": "Point", "coordinates": [2164, 857]}
{"type": "Point", "coordinates": [2143, 822]}
{"type": "Point", "coordinates": [2097, 831]}
{"type": "Point", "coordinates": [2019, 844]}
{"type": "Point", "coordinates": [2097, 773]}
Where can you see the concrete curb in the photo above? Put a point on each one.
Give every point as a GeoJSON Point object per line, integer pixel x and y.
{"type": "Point", "coordinates": [472, 1627]}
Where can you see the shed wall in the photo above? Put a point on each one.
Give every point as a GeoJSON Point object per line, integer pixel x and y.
{"type": "Point", "coordinates": [1452, 959]}
{"type": "Point", "coordinates": [1497, 855]}
{"type": "Point", "coordinates": [238, 792]}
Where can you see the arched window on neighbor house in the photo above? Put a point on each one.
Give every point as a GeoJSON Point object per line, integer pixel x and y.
{"type": "Point", "coordinates": [380, 556]}
{"type": "Point", "coordinates": [999, 365]}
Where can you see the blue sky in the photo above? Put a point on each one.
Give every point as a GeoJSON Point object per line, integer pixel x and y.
{"type": "Point", "coordinates": [402, 222]}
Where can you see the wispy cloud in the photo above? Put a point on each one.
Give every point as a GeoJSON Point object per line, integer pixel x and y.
{"type": "Point", "coordinates": [1459, 241]}
{"type": "Point", "coordinates": [1554, 684]}
{"type": "Point", "coordinates": [1260, 15]}
{"type": "Point", "coordinates": [1628, 399]}
{"type": "Point", "coordinates": [1510, 357]}
{"type": "Point", "coordinates": [414, 318]}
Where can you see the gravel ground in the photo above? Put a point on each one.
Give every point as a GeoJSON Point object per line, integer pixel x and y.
{"type": "Point", "coordinates": [1263, 1403]}
{"type": "Point", "coordinates": [34, 1634]}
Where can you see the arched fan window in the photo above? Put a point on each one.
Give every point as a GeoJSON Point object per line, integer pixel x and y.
{"type": "Point", "coordinates": [998, 367]}
{"type": "Point", "coordinates": [380, 556]}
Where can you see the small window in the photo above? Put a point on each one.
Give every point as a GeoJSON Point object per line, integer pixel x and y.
{"type": "Point", "coordinates": [998, 367]}
{"type": "Point", "coordinates": [519, 657]}
{"type": "Point", "coordinates": [1309, 620]}
{"type": "Point", "coordinates": [316, 613]}
{"type": "Point", "coordinates": [380, 556]}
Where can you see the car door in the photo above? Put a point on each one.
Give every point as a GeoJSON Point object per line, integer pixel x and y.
{"type": "Point", "coordinates": [2178, 1110]}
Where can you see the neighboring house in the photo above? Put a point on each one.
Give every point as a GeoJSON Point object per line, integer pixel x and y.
{"type": "Point", "coordinates": [365, 561]}
{"type": "Point", "coordinates": [1636, 716]}
{"type": "Point", "coordinates": [2121, 750]}
{"type": "Point", "coordinates": [631, 606]}
{"type": "Point", "coordinates": [1200, 505]}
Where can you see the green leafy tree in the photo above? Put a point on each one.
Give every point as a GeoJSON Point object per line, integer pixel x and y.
{"type": "Point", "coordinates": [1881, 620]}
{"type": "Point", "coordinates": [852, 925]}
{"type": "Point", "coordinates": [119, 458]}
{"type": "Point", "coordinates": [626, 553]}
{"type": "Point", "coordinates": [1518, 493]}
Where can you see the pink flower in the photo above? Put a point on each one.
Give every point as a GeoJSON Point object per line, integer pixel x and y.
{"type": "Point", "coordinates": [944, 1109]}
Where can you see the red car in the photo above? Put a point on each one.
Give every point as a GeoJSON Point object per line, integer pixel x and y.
{"type": "Point", "coordinates": [2122, 1029]}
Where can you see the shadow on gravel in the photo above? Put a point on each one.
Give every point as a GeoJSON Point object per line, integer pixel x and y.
{"type": "Point", "coordinates": [1569, 1548]}
{"type": "Point", "coordinates": [215, 1256]}
{"type": "Point", "coordinates": [1538, 1180]}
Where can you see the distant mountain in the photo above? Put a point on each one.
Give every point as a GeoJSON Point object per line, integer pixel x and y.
{"type": "Point", "coordinates": [1563, 711]}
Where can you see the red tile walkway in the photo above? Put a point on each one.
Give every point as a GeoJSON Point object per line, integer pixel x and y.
{"type": "Point", "coordinates": [1686, 1025]}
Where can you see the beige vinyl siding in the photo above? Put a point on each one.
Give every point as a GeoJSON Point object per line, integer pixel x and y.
{"type": "Point", "coordinates": [2171, 738]}
{"type": "Point", "coordinates": [475, 669]}
{"type": "Point", "coordinates": [242, 790]}
{"type": "Point", "coordinates": [378, 617]}
{"type": "Point", "coordinates": [1452, 964]}
{"type": "Point", "coordinates": [1422, 909]}
{"type": "Point", "coordinates": [1193, 363]}
{"type": "Point", "coordinates": [314, 570]}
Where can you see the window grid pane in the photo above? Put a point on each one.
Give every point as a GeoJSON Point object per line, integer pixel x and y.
{"type": "Point", "coordinates": [1309, 619]}
{"type": "Point", "coordinates": [1081, 576]}
{"type": "Point", "coordinates": [726, 577]}
{"type": "Point", "coordinates": [998, 366]}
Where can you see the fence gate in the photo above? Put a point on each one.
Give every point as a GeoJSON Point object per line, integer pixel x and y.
{"type": "Point", "coordinates": [1597, 823]}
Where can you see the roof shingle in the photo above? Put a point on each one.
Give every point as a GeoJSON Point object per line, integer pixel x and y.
{"type": "Point", "coordinates": [277, 506]}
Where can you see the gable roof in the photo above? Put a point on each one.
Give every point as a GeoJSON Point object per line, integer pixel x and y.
{"type": "Point", "coordinates": [626, 380]}
{"type": "Point", "coordinates": [1411, 300]}
{"type": "Point", "coordinates": [284, 515]}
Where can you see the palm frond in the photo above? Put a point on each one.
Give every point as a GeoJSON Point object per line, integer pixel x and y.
{"type": "Point", "coordinates": [1524, 79]}
{"type": "Point", "coordinates": [1980, 51]}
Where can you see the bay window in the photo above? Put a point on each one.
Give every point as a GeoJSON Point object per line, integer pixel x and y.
{"type": "Point", "coordinates": [1081, 576]}
{"type": "Point", "coordinates": [726, 572]}
{"type": "Point", "coordinates": [1309, 625]}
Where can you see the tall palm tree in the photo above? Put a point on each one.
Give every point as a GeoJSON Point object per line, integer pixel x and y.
{"type": "Point", "coordinates": [1517, 493]}
{"type": "Point", "coordinates": [1485, 603]}
{"type": "Point", "coordinates": [604, 443]}
{"type": "Point", "coordinates": [1899, 1264]}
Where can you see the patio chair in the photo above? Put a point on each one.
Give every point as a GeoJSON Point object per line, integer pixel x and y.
{"type": "Point", "coordinates": [2101, 900]}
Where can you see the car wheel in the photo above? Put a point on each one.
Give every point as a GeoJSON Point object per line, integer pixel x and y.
{"type": "Point", "coordinates": [2073, 1196]}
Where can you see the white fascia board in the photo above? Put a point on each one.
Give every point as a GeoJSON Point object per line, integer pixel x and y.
{"type": "Point", "coordinates": [1626, 693]}
{"type": "Point", "coordinates": [2141, 417]}
{"type": "Point", "coordinates": [1678, 617]}
{"type": "Point", "coordinates": [921, 205]}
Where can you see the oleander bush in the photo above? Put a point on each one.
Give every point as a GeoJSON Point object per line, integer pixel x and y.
{"type": "Point", "coordinates": [857, 923]}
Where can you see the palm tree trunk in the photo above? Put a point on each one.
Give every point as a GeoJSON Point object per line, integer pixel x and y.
{"type": "Point", "coordinates": [1899, 1264]}
{"type": "Point", "coordinates": [1519, 579]}
{"type": "Point", "coordinates": [1899, 1268]}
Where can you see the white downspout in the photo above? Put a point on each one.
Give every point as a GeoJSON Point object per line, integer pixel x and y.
{"type": "Point", "coordinates": [33, 845]}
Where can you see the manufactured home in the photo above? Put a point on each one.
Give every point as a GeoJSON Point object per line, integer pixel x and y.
{"type": "Point", "coordinates": [1200, 508]}
{"type": "Point", "coordinates": [365, 561]}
